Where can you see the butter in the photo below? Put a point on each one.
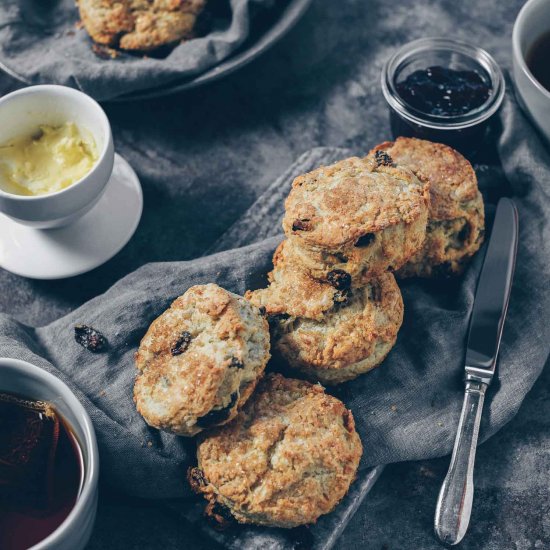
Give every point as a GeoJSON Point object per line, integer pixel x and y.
{"type": "Point", "coordinates": [50, 160]}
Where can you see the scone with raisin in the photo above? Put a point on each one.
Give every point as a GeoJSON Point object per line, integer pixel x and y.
{"type": "Point", "coordinates": [200, 361]}
{"type": "Point", "coordinates": [140, 25]}
{"type": "Point", "coordinates": [289, 457]}
{"type": "Point", "coordinates": [292, 292]}
{"type": "Point", "coordinates": [358, 216]}
{"type": "Point", "coordinates": [347, 340]}
{"type": "Point", "coordinates": [456, 216]}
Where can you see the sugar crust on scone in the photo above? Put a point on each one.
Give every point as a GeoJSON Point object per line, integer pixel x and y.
{"type": "Point", "coordinates": [363, 216]}
{"type": "Point", "coordinates": [200, 360]}
{"type": "Point", "coordinates": [288, 458]}
{"type": "Point", "coordinates": [350, 339]}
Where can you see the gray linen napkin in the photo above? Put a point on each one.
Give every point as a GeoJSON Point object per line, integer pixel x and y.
{"type": "Point", "coordinates": [39, 43]}
{"type": "Point", "coordinates": [406, 409]}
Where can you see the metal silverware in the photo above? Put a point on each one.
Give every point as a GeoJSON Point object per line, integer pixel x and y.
{"type": "Point", "coordinates": [454, 504]}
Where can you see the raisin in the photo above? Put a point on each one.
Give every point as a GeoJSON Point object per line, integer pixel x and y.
{"type": "Point", "coordinates": [339, 279]}
{"type": "Point", "coordinates": [236, 363]}
{"type": "Point", "coordinates": [342, 297]}
{"type": "Point", "coordinates": [219, 516]}
{"type": "Point", "coordinates": [90, 338]}
{"type": "Point", "coordinates": [383, 159]}
{"type": "Point", "coordinates": [301, 225]}
{"type": "Point", "coordinates": [263, 311]}
{"type": "Point", "coordinates": [216, 416]}
{"type": "Point", "coordinates": [365, 240]}
{"type": "Point", "coordinates": [196, 479]}
{"type": "Point", "coordinates": [274, 320]}
{"type": "Point", "coordinates": [341, 258]}
{"type": "Point", "coordinates": [182, 343]}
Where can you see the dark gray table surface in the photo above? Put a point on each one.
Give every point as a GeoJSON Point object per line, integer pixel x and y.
{"type": "Point", "coordinates": [204, 156]}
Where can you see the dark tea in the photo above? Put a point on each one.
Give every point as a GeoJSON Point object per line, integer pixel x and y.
{"type": "Point", "coordinates": [538, 60]}
{"type": "Point", "coordinates": [41, 471]}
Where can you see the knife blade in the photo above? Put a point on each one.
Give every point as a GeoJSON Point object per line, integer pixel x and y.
{"type": "Point", "coordinates": [454, 504]}
{"type": "Point", "coordinates": [493, 292]}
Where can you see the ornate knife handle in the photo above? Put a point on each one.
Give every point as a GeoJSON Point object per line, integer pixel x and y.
{"type": "Point", "coordinates": [454, 504]}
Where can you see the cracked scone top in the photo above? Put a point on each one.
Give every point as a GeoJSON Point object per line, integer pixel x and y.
{"type": "Point", "coordinates": [456, 213]}
{"type": "Point", "coordinates": [200, 361]}
{"type": "Point", "coordinates": [288, 458]}
{"type": "Point", "coordinates": [350, 339]}
{"type": "Point", "coordinates": [140, 25]}
{"type": "Point", "coordinates": [362, 216]}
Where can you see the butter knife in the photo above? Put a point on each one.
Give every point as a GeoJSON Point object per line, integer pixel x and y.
{"type": "Point", "coordinates": [454, 504]}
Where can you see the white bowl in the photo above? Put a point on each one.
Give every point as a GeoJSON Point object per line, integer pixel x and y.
{"type": "Point", "coordinates": [21, 113]}
{"type": "Point", "coordinates": [531, 23]}
{"type": "Point", "coordinates": [20, 377]}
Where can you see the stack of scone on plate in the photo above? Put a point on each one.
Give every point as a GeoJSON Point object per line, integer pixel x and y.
{"type": "Point", "coordinates": [280, 451]}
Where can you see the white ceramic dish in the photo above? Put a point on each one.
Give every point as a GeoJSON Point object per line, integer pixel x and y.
{"type": "Point", "coordinates": [85, 244]}
{"type": "Point", "coordinates": [531, 23]}
{"type": "Point", "coordinates": [21, 113]}
{"type": "Point", "coordinates": [28, 380]}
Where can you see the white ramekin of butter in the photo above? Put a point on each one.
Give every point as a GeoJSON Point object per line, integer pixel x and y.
{"type": "Point", "coordinates": [68, 202]}
{"type": "Point", "coordinates": [56, 155]}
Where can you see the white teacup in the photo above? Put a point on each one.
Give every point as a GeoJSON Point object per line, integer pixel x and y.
{"type": "Point", "coordinates": [22, 378]}
{"type": "Point", "coordinates": [532, 22]}
{"type": "Point", "coordinates": [21, 113]}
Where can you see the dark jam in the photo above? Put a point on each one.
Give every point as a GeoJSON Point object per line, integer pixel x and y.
{"type": "Point", "coordinates": [440, 91]}
{"type": "Point", "coordinates": [538, 60]}
{"type": "Point", "coordinates": [40, 471]}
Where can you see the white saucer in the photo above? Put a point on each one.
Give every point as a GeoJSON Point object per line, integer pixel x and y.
{"type": "Point", "coordinates": [83, 245]}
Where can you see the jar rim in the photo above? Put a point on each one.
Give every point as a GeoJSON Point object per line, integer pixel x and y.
{"type": "Point", "coordinates": [415, 49]}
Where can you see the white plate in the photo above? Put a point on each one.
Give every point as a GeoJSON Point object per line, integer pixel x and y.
{"type": "Point", "coordinates": [83, 245]}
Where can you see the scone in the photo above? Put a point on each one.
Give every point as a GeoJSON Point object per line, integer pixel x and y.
{"type": "Point", "coordinates": [456, 216]}
{"type": "Point", "coordinates": [352, 338]}
{"type": "Point", "coordinates": [358, 217]}
{"type": "Point", "coordinates": [139, 24]}
{"type": "Point", "coordinates": [292, 292]}
{"type": "Point", "coordinates": [289, 456]}
{"type": "Point", "coordinates": [200, 361]}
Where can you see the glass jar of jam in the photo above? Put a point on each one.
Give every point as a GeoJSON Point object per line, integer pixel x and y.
{"type": "Point", "coordinates": [442, 90]}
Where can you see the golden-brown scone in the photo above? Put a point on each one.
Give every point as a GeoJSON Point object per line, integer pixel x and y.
{"type": "Point", "coordinates": [289, 457]}
{"type": "Point", "coordinates": [139, 24]}
{"type": "Point", "coordinates": [359, 216]}
{"type": "Point", "coordinates": [200, 361]}
{"type": "Point", "coordinates": [457, 218]}
{"type": "Point", "coordinates": [352, 338]}
{"type": "Point", "coordinates": [292, 291]}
